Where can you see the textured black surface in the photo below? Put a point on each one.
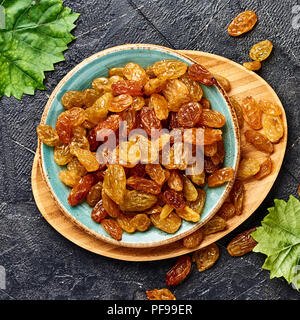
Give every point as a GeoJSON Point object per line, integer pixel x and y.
{"type": "Point", "coordinates": [39, 262]}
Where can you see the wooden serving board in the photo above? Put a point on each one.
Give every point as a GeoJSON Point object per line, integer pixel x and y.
{"type": "Point", "coordinates": [243, 83]}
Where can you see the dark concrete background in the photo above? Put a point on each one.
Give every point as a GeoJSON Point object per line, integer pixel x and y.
{"type": "Point", "coordinates": [39, 262]}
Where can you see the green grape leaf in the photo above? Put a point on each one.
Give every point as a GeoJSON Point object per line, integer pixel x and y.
{"type": "Point", "coordinates": [34, 37]}
{"type": "Point", "coordinates": [279, 239]}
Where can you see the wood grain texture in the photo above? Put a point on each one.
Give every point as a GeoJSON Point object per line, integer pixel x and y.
{"type": "Point", "coordinates": [243, 83]}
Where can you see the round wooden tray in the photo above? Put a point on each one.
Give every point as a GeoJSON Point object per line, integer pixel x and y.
{"type": "Point", "coordinates": [243, 83]}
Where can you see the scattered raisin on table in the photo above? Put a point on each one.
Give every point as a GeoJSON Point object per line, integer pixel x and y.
{"type": "Point", "coordinates": [206, 257]}
{"type": "Point", "coordinates": [242, 23]}
{"type": "Point", "coordinates": [242, 244]}
{"type": "Point", "coordinates": [160, 294]}
{"type": "Point", "coordinates": [179, 271]}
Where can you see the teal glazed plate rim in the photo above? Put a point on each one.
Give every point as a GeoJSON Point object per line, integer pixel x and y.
{"type": "Point", "coordinates": [79, 78]}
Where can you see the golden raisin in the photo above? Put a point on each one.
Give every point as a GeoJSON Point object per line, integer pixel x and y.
{"type": "Point", "coordinates": [242, 244]}
{"type": "Point", "coordinates": [193, 240]}
{"type": "Point", "coordinates": [247, 169]}
{"type": "Point", "coordinates": [206, 257]}
{"type": "Point", "coordinates": [216, 224]}
{"type": "Point", "coordinates": [160, 294]}
{"type": "Point", "coordinates": [242, 23]}
{"type": "Point", "coordinates": [260, 51]}
{"type": "Point", "coordinates": [273, 128]}
{"type": "Point", "coordinates": [252, 65]}
{"type": "Point", "coordinates": [265, 169]}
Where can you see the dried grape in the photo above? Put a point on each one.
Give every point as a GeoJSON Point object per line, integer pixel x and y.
{"type": "Point", "coordinates": [69, 178]}
{"type": "Point", "coordinates": [112, 228]}
{"type": "Point", "coordinates": [252, 113]}
{"type": "Point", "coordinates": [149, 120]}
{"type": "Point", "coordinates": [242, 244]}
{"type": "Point", "coordinates": [193, 86]}
{"type": "Point", "coordinates": [86, 158]}
{"type": "Point", "coordinates": [198, 73]}
{"type": "Point", "coordinates": [137, 103]}
{"type": "Point", "coordinates": [170, 224]}
{"type": "Point", "coordinates": [144, 185]}
{"type": "Point", "coordinates": [159, 105]}
{"type": "Point", "coordinates": [77, 167]}
{"type": "Point", "coordinates": [137, 201]}
{"type": "Point", "coordinates": [134, 88]}
{"type": "Point", "coordinates": [179, 271]}
{"type": "Point", "coordinates": [156, 173]}
{"type": "Point", "coordinates": [193, 240]}
{"type": "Point", "coordinates": [154, 85]}
{"type": "Point", "coordinates": [220, 176]}
{"type": "Point", "coordinates": [176, 93]}
{"type": "Point", "coordinates": [64, 128]}
{"type": "Point", "coordinates": [242, 23]}
{"type": "Point", "coordinates": [165, 211]}
{"type": "Point", "coordinates": [188, 214]}
{"type": "Point", "coordinates": [120, 103]}
{"type": "Point", "coordinates": [199, 203]}
{"type": "Point", "coordinates": [98, 213]}
{"type": "Point", "coordinates": [169, 69]}
{"type": "Point", "coordinates": [189, 114]}
{"type": "Point", "coordinates": [174, 199]}
{"type": "Point", "coordinates": [160, 294]}
{"type": "Point", "coordinates": [90, 96]}
{"type": "Point", "coordinates": [212, 118]}
{"type": "Point", "coordinates": [237, 195]}
{"type": "Point", "coordinates": [189, 190]}
{"type": "Point", "coordinates": [109, 205]}
{"type": "Point", "coordinates": [206, 257]}
{"type": "Point", "coordinates": [94, 194]}
{"type": "Point", "coordinates": [265, 169]}
{"type": "Point", "coordinates": [114, 183]}
{"type": "Point", "coordinates": [62, 154]}
{"type": "Point", "coordinates": [47, 135]}
{"type": "Point", "coordinates": [216, 224]}
{"type": "Point", "coordinates": [224, 82]}
{"type": "Point", "coordinates": [133, 71]}
{"type": "Point", "coordinates": [141, 222]}
{"type": "Point", "coordinates": [205, 103]}
{"type": "Point", "coordinates": [247, 169]}
{"type": "Point", "coordinates": [270, 108]}
{"type": "Point", "coordinates": [273, 128]}
{"type": "Point", "coordinates": [259, 141]}
{"type": "Point", "coordinates": [227, 211]}
{"type": "Point", "coordinates": [252, 65]}
{"type": "Point", "coordinates": [124, 222]}
{"type": "Point", "coordinates": [175, 181]}
{"type": "Point", "coordinates": [116, 72]}
{"type": "Point", "coordinates": [81, 189]}
{"type": "Point", "coordinates": [260, 51]}
{"type": "Point", "coordinates": [98, 111]}
{"type": "Point", "coordinates": [72, 99]}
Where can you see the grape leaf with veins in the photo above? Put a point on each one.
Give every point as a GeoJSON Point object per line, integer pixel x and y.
{"type": "Point", "coordinates": [36, 34]}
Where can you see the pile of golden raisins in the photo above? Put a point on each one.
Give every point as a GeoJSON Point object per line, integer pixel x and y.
{"type": "Point", "coordinates": [126, 192]}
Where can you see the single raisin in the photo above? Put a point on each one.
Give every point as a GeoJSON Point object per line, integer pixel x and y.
{"type": "Point", "coordinates": [179, 271]}
{"type": "Point", "coordinates": [242, 23]}
{"type": "Point", "coordinates": [199, 73]}
{"type": "Point", "coordinates": [260, 51]}
{"type": "Point", "coordinates": [80, 190]}
{"type": "Point", "coordinates": [242, 244]}
{"type": "Point", "coordinates": [193, 240]}
{"type": "Point", "coordinates": [220, 176]}
{"type": "Point", "coordinates": [112, 227]}
{"type": "Point", "coordinates": [206, 257]}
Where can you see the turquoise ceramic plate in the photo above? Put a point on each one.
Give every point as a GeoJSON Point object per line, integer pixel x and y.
{"type": "Point", "coordinates": [80, 78]}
